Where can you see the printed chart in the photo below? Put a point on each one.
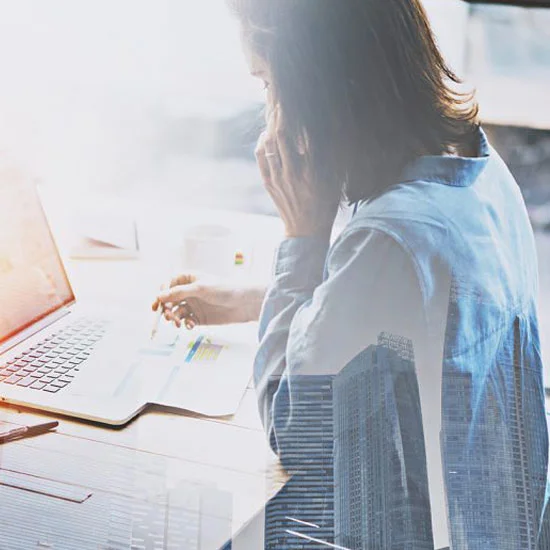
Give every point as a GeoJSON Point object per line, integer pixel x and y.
{"type": "Point", "coordinates": [202, 349]}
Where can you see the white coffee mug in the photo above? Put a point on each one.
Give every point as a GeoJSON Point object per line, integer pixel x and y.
{"type": "Point", "coordinates": [209, 249]}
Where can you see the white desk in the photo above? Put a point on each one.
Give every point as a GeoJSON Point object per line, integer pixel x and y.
{"type": "Point", "coordinates": [231, 453]}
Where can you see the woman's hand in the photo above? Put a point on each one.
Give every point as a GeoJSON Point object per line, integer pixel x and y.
{"type": "Point", "coordinates": [287, 176]}
{"type": "Point", "coordinates": [203, 300]}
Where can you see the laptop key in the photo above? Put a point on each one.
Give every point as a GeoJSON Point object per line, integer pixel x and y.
{"type": "Point", "coordinates": [13, 379]}
{"type": "Point", "coordinates": [62, 370]}
{"type": "Point", "coordinates": [52, 363]}
{"type": "Point", "coordinates": [47, 347]}
{"type": "Point", "coordinates": [29, 368]}
{"type": "Point", "coordinates": [12, 368]}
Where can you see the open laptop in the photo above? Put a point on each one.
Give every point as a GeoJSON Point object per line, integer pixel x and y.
{"type": "Point", "coordinates": [68, 358]}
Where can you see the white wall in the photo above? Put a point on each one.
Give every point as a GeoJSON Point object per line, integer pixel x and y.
{"type": "Point", "coordinates": [86, 86]}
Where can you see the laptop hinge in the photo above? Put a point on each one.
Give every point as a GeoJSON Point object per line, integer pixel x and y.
{"type": "Point", "coordinates": [34, 328]}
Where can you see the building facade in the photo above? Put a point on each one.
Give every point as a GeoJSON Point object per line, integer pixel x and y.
{"type": "Point", "coordinates": [380, 500]}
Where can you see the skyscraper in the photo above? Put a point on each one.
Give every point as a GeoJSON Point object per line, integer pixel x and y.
{"type": "Point", "coordinates": [381, 495]}
{"type": "Point", "coordinates": [490, 459]}
{"type": "Point", "coordinates": [302, 514]}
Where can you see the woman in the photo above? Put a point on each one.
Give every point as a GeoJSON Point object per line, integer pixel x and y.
{"type": "Point", "coordinates": [422, 313]}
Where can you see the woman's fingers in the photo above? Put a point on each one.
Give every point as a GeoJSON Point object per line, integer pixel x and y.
{"type": "Point", "coordinates": [184, 313]}
{"type": "Point", "coordinates": [282, 141]}
{"type": "Point", "coordinates": [180, 293]}
{"type": "Point", "coordinates": [167, 311]}
{"type": "Point", "coordinates": [263, 164]}
{"type": "Point", "coordinates": [185, 279]}
{"type": "Point", "coordinates": [176, 305]}
{"type": "Point", "coordinates": [289, 153]}
{"type": "Point", "coordinates": [190, 324]}
{"type": "Point", "coordinates": [180, 280]}
{"type": "Point", "coordinates": [271, 143]}
{"type": "Point", "coordinates": [274, 160]}
{"type": "Point", "coordinates": [269, 158]}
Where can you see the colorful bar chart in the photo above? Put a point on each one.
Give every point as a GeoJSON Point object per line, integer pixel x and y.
{"type": "Point", "coordinates": [203, 350]}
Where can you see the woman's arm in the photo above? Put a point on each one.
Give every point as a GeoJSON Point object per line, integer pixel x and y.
{"type": "Point", "coordinates": [298, 271]}
{"type": "Point", "coordinates": [313, 326]}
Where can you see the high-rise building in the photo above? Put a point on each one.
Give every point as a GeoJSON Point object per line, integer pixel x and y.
{"type": "Point", "coordinates": [381, 497]}
{"type": "Point", "coordinates": [302, 514]}
{"type": "Point", "coordinates": [489, 456]}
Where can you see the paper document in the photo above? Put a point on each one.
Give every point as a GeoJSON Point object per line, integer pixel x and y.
{"type": "Point", "coordinates": [106, 236]}
{"type": "Point", "coordinates": [206, 371]}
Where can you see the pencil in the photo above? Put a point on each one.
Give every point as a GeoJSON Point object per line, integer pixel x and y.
{"type": "Point", "coordinates": [156, 324]}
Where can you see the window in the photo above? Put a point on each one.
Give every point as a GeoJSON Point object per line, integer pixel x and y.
{"type": "Point", "coordinates": [123, 97]}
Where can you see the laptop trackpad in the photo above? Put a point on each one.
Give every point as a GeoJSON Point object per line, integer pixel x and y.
{"type": "Point", "coordinates": [107, 367]}
{"type": "Point", "coordinates": [120, 366]}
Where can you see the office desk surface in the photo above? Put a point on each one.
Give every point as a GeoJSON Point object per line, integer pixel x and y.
{"type": "Point", "coordinates": [229, 453]}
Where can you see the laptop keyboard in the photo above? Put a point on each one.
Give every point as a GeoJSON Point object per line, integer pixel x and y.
{"type": "Point", "coordinates": [53, 363]}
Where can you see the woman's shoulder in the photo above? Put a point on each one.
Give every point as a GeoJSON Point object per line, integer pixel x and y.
{"type": "Point", "coordinates": [372, 250]}
{"type": "Point", "coordinates": [407, 214]}
{"type": "Point", "coordinates": [403, 230]}
{"type": "Point", "coordinates": [402, 205]}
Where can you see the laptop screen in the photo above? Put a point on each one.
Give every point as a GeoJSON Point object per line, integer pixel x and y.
{"type": "Point", "coordinates": [33, 282]}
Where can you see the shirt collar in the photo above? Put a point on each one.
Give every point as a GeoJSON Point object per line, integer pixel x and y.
{"type": "Point", "coordinates": [449, 170]}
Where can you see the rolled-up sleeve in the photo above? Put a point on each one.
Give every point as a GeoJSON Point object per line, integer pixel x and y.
{"type": "Point", "coordinates": [324, 307]}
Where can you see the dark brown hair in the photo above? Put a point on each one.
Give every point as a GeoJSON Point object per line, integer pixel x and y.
{"type": "Point", "coordinates": [364, 81]}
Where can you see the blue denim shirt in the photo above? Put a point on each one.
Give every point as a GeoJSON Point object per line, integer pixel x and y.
{"type": "Point", "coordinates": [445, 443]}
